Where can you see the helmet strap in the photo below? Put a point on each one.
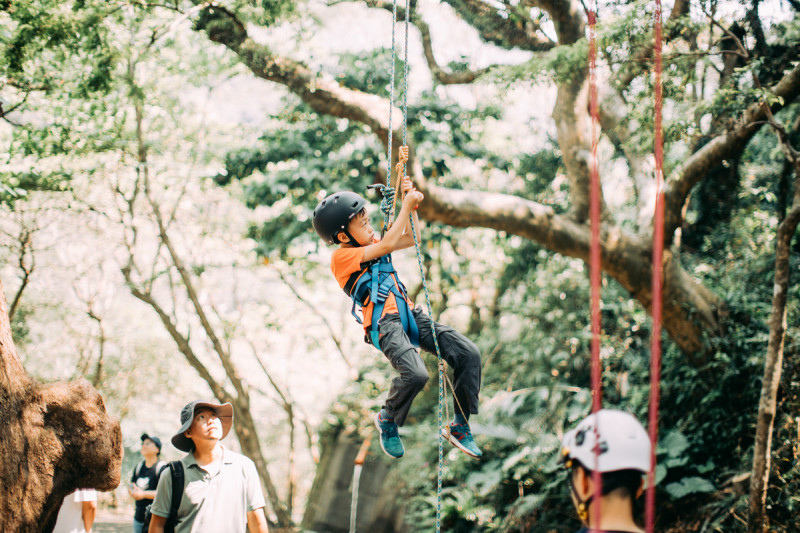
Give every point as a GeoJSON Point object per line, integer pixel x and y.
{"type": "Point", "coordinates": [352, 240]}
{"type": "Point", "coordinates": [582, 507]}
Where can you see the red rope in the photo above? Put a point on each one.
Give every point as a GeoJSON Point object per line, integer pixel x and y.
{"type": "Point", "coordinates": [658, 251]}
{"type": "Point", "coordinates": [594, 257]}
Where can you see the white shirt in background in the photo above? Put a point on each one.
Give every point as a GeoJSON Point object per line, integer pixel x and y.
{"type": "Point", "coordinates": [70, 517]}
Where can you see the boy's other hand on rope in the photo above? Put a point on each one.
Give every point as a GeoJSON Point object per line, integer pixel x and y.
{"type": "Point", "coordinates": [413, 198]}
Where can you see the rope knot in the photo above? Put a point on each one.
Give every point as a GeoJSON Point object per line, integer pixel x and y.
{"type": "Point", "coordinates": [400, 167]}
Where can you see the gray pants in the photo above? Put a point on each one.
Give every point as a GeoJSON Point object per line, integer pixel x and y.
{"type": "Point", "coordinates": [458, 351]}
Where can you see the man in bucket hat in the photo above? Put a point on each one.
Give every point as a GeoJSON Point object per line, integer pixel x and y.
{"type": "Point", "coordinates": [221, 489]}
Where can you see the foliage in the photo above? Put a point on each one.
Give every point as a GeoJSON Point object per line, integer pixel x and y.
{"type": "Point", "coordinates": [536, 343]}
{"type": "Point", "coordinates": [528, 306]}
{"type": "Point", "coordinates": [292, 167]}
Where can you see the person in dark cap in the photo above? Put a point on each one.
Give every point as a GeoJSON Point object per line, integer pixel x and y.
{"type": "Point", "coordinates": [144, 480]}
{"type": "Point", "coordinates": [221, 489]}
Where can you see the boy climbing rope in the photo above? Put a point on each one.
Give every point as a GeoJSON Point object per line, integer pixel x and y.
{"type": "Point", "coordinates": [363, 267]}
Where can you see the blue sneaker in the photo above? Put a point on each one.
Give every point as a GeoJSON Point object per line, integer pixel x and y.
{"type": "Point", "coordinates": [460, 436]}
{"type": "Point", "coordinates": [390, 439]}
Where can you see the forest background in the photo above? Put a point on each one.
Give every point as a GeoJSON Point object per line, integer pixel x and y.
{"type": "Point", "coordinates": [160, 161]}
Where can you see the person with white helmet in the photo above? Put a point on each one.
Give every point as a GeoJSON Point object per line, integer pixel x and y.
{"type": "Point", "coordinates": [614, 444]}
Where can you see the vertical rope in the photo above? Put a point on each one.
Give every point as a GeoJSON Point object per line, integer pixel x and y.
{"type": "Point", "coordinates": [386, 212]}
{"type": "Point", "coordinates": [402, 171]}
{"type": "Point", "coordinates": [658, 252]}
{"type": "Point", "coordinates": [405, 76]}
{"type": "Point", "coordinates": [594, 254]}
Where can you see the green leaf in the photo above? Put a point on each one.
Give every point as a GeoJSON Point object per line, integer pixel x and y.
{"type": "Point", "coordinates": [689, 485]}
{"type": "Point", "coordinates": [674, 444]}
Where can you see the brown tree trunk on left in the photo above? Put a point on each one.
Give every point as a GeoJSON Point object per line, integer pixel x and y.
{"type": "Point", "coordinates": [54, 439]}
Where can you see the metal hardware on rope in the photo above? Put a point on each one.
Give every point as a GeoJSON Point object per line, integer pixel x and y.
{"type": "Point", "coordinates": [594, 254]}
{"type": "Point", "coordinates": [658, 252]}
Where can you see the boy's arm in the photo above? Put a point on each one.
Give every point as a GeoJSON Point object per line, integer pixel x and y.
{"type": "Point", "coordinates": [396, 238]}
{"type": "Point", "coordinates": [407, 240]}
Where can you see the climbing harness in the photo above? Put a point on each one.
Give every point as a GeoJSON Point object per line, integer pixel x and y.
{"type": "Point", "coordinates": [376, 280]}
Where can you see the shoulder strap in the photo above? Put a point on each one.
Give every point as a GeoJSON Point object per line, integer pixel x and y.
{"type": "Point", "coordinates": [159, 467]}
{"type": "Point", "coordinates": [137, 469]}
{"type": "Point", "coordinates": [176, 468]}
{"type": "Point", "coordinates": [363, 268]}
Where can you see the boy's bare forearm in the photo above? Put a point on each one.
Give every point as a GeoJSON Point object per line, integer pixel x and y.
{"type": "Point", "coordinates": [396, 234]}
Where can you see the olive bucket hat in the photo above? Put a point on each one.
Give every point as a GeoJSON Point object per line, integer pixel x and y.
{"type": "Point", "coordinates": [223, 411]}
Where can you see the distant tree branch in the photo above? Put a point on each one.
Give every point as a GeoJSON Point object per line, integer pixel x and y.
{"type": "Point", "coordinates": [722, 147]}
{"type": "Point", "coordinates": [25, 242]}
{"type": "Point", "coordinates": [442, 76]}
{"type": "Point", "coordinates": [315, 309]}
{"type": "Point", "coordinates": [517, 31]}
{"type": "Point", "coordinates": [4, 112]}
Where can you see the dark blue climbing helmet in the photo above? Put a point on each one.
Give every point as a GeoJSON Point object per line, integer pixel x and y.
{"type": "Point", "coordinates": [333, 214]}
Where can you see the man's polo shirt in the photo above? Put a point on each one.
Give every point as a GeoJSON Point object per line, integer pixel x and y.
{"type": "Point", "coordinates": [215, 500]}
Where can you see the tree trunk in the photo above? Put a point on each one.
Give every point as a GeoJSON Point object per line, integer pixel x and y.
{"type": "Point", "coordinates": [245, 426]}
{"type": "Point", "coordinates": [759, 478]}
{"type": "Point", "coordinates": [55, 438]}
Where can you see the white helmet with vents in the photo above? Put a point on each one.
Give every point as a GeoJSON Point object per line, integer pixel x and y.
{"type": "Point", "coordinates": [607, 441]}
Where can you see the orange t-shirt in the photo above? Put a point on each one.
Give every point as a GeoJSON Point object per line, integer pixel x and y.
{"type": "Point", "coordinates": [344, 262]}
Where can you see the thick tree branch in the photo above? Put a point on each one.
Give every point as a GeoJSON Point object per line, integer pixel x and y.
{"type": "Point", "coordinates": [321, 94]}
{"type": "Point", "coordinates": [688, 309]}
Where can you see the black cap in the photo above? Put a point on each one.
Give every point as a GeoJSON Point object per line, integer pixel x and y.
{"type": "Point", "coordinates": [156, 440]}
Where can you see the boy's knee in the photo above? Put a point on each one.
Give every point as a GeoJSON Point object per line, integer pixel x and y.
{"type": "Point", "coordinates": [419, 378]}
{"type": "Point", "coordinates": [468, 352]}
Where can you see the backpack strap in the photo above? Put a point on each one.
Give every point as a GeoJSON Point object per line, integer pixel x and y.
{"type": "Point", "coordinates": [176, 470]}
{"type": "Point", "coordinates": [137, 469]}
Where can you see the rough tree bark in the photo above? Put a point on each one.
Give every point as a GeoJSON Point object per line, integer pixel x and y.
{"type": "Point", "coordinates": [55, 438]}
{"type": "Point", "coordinates": [692, 313]}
